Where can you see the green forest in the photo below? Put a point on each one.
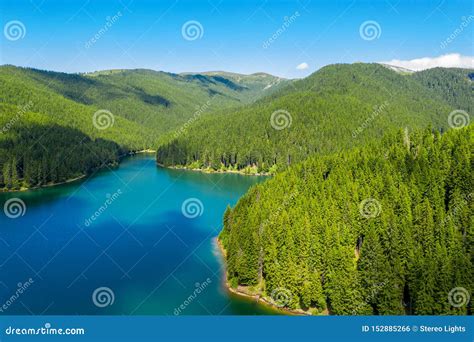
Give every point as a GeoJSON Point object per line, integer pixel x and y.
{"type": "Point", "coordinates": [384, 229]}
{"type": "Point", "coordinates": [39, 152]}
{"type": "Point", "coordinates": [451, 84]}
{"type": "Point", "coordinates": [337, 107]}
{"type": "Point", "coordinates": [369, 210]}
{"type": "Point", "coordinates": [48, 133]}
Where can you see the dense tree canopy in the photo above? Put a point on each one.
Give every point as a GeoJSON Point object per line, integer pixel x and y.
{"type": "Point", "coordinates": [38, 152]}
{"type": "Point", "coordinates": [48, 133]}
{"type": "Point", "coordinates": [453, 85]}
{"type": "Point", "coordinates": [384, 229]}
{"type": "Point", "coordinates": [151, 103]}
{"type": "Point", "coordinates": [367, 214]}
{"type": "Point", "coordinates": [337, 107]}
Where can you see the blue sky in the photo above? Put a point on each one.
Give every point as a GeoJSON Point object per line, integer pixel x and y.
{"type": "Point", "coordinates": [56, 35]}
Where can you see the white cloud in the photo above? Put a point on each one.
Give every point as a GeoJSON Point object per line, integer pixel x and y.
{"type": "Point", "coordinates": [453, 60]}
{"type": "Point", "coordinates": [302, 66]}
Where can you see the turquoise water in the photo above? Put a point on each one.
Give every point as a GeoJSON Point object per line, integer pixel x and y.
{"type": "Point", "coordinates": [125, 235]}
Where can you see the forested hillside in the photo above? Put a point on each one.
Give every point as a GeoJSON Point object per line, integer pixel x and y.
{"type": "Point", "coordinates": [456, 86]}
{"type": "Point", "coordinates": [19, 91]}
{"type": "Point", "coordinates": [36, 151]}
{"type": "Point", "coordinates": [383, 229]}
{"type": "Point", "coordinates": [337, 107]}
{"type": "Point", "coordinates": [157, 100]}
{"type": "Point", "coordinates": [71, 124]}
{"type": "Point", "coordinates": [254, 83]}
{"type": "Point", "coordinates": [47, 138]}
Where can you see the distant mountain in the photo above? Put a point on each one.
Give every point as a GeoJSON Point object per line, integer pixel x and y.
{"type": "Point", "coordinates": [335, 108]}
{"type": "Point", "coordinates": [162, 101]}
{"type": "Point", "coordinates": [454, 85]}
{"type": "Point", "coordinates": [68, 100]}
{"type": "Point", "coordinates": [254, 86]}
{"type": "Point", "coordinates": [398, 69]}
{"type": "Point", "coordinates": [139, 107]}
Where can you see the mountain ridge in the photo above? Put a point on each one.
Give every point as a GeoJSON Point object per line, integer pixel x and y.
{"type": "Point", "coordinates": [110, 112]}
{"type": "Point", "coordinates": [367, 98]}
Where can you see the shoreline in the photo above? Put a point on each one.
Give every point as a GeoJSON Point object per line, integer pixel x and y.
{"type": "Point", "coordinates": [49, 185]}
{"type": "Point", "coordinates": [148, 150]}
{"type": "Point", "coordinates": [241, 291]}
{"type": "Point", "coordinates": [211, 171]}
{"type": "Point", "coordinates": [74, 179]}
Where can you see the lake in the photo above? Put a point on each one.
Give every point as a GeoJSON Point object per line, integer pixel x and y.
{"type": "Point", "coordinates": [135, 240]}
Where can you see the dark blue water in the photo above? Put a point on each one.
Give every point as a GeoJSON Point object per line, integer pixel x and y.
{"type": "Point", "coordinates": [125, 235]}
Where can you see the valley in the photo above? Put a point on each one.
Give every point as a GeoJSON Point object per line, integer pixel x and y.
{"type": "Point", "coordinates": [369, 207]}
